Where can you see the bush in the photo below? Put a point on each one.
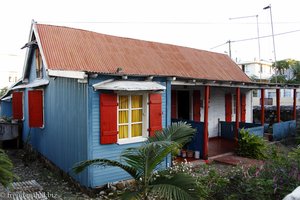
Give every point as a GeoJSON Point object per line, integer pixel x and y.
{"type": "Point", "coordinates": [251, 146]}
{"type": "Point", "coordinates": [6, 169]}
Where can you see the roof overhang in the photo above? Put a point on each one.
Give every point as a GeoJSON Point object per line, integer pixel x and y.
{"type": "Point", "coordinates": [7, 98]}
{"type": "Point", "coordinates": [247, 85]}
{"type": "Point", "coordinates": [34, 84]}
{"type": "Point", "coordinates": [121, 85]}
{"type": "Point", "coordinates": [67, 74]}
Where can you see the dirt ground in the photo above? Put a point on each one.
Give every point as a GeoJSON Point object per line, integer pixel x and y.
{"type": "Point", "coordinates": [54, 186]}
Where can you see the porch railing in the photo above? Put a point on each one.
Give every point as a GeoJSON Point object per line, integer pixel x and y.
{"type": "Point", "coordinates": [228, 129]}
{"type": "Point", "coordinates": [283, 129]}
{"type": "Point", "coordinates": [196, 144]}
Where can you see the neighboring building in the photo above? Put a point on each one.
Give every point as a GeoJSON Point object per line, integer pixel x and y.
{"type": "Point", "coordinates": [10, 70]}
{"type": "Point", "coordinates": [87, 95]}
{"type": "Point", "coordinates": [262, 71]}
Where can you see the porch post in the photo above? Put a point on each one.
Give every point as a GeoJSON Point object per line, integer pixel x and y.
{"type": "Point", "coordinates": [205, 136]}
{"type": "Point", "coordinates": [278, 104]}
{"type": "Point", "coordinates": [262, 104]}
{"type": "Point", "coordinates": [295, 105]}
{"type": "Point", "coordinates": [237, 113]}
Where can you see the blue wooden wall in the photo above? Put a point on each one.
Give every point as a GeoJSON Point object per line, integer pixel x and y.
{"type": "Point", "coordinates": [102, 175]}
{"type": "Point", "coordinates": [5, 109]}
{"type": "Point", "coordinates": [284, 129]}
{"type": "Point", "coordinates": [63, 140]}
{"type": "Point", "coordinates": [228, 128]}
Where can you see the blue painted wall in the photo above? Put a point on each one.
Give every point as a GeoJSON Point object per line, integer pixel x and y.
{"type": "Point", "coordinates": [63, 140]}
{"type": "Point", "coordinates": [284, 129]}
{"type": "Point", "coordinates": [5, 109]}
{"type": "Point", "coordinates": [102, 175]}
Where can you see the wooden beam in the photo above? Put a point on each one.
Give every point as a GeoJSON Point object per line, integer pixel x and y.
{"type": "Point", "coordinates": [237, 113]}
{"type": "Point", "coordinates": [278, 104]}
{"type": "Point", "coordinates": [262, 104]}
{"type": "Point", "coordinates": [205, 136]}
{"type": "Point", "coordinates": [295, 105]}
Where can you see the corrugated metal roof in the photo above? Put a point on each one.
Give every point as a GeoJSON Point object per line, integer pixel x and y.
{"type": "Point", "coordinates": [79, 50]}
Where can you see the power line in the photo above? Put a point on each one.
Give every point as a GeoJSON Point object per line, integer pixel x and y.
{"type": "Point", "coordinates": [163, 22]}
{"type": "Point", "coordinates": [255, 38]}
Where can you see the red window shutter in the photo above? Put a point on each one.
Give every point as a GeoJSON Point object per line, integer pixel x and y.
{"type": "Point", "coordinates": [228, 107]}
{"type": "Point", "coordinates": [35, 106]}
{"type": "Point", "coordinates": [17, 105]}
{"type": "Point", "coordinates": [173, 104]}
{"type": "Point", "coordinates": [155, 115]}
{"type": "Point", "coordinates": [243, 108]}
{"type": "Point", "coordinates": [196, 106]}
{"type": "Point", "coordinates": [108, 118]}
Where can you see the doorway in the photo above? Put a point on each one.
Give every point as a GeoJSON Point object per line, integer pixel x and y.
{"type": "Point", "coordinates": [183, 98]}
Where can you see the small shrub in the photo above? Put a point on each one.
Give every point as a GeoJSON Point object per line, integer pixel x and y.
{"type": "Point", "coordinates": [251, 146]}
{"type": "Point", "coordinates": [6, 169]}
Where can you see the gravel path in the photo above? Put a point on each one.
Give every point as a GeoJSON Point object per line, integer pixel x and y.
{"type": "Point", "coordinates": [55, 187]}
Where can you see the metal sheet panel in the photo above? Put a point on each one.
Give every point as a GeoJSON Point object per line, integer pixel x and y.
{"type": "Point", "coordinates": [79, 50]}
{"type": "Point", "coordinates": [63, 140]}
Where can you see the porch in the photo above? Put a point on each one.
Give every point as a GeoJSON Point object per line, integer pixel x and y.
{"type": "Point", "coordinates": [225, 142]}
{"type": "Point", "coordinates": [218, 113]}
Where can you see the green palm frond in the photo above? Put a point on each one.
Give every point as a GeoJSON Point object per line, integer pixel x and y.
{"type": "Point", "coordinates": [132, 195]}
{"type": "Point", "coordinates": [6, 168]}
{"type": "Point", "coordinates": [178, 186]}
{"type": "Point", "coordinates": [180, 132]}
{"type": "Point", "coordinates": [146, 158]}
{"type": "Point", "coordinates": [79, 167]}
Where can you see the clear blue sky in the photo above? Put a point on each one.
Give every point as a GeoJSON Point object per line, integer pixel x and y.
{"type": "Point", "coordinates": [194, 23]}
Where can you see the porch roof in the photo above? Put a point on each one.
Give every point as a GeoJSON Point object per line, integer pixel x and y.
{"type": "Point", "coordinates": [248, 85]}
{"type": "Point", "coordinates": [129, 86]}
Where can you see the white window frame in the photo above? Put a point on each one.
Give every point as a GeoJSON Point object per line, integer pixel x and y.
{"type": "Point", "coordinates": [145, 118]}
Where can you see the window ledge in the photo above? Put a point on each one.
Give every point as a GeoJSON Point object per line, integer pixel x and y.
{"type": "Point", "coordinates": [132, 140]}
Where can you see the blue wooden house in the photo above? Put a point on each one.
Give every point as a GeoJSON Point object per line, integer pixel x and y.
{"type": "Point", "coordinates": [86, 95]}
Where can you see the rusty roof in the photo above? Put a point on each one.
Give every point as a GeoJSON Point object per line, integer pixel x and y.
{"type": "Point", "coordinates": [80, 50]}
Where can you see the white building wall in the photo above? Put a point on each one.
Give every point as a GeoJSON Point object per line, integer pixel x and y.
{"type": "Point", "coordinates": [217, 108]}
{"type": "Point", "coordinates": [10, 69]}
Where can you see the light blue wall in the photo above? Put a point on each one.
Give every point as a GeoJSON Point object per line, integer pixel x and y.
{"type": "Point", "coordinates": [103, 175]}
{"type": "Point", "coordinates": [63, 140]}
{"type": "Point", "coordinates": [5, 109]}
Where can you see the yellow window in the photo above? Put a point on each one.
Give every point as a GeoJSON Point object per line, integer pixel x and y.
{"type": "Point", "coordinates": [130, 116]}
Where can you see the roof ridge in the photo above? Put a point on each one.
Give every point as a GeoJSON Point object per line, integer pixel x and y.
{"type": "Point", "coordinates": [129, 38]}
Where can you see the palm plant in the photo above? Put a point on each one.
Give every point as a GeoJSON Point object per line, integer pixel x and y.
{"type": "Point", "coordinates": [141, 163]}
{"type": "Point", "coordinates": [6, 167]}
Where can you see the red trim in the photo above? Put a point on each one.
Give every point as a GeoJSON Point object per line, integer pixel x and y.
{"type": "Point", "coordinates": [295, 105]}
{"type": "Point", "coordinates": [237, 112]}
{"type": "Point", "coordinates": [262, 103]}
{"type": "Point", "coordinates": [228, 107]}
{"type": "Point", "coordinates": [155, 113]}
{"type": "Point", "coordinates": [196, 106]}
{"type": "Point", "coordinates": [278, 104]}
{"type": "Point", "coordinates": [17, 105]}
{"type": "Point", "coordinates": [35, 108]}
{"type": "Point", "coordinates": [205, 136]}
{"type": "Point", "coordinates": [108, 118]}
{"type": "Point", "coordinates": [243, 108]}
{"type": "Point", "coordinates": [174, 104]}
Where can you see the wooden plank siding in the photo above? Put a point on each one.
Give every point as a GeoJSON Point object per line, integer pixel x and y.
{"type": "Point", "coordinates": [63, 140]}
{"type": "Point", "coordinates": [102, 175]}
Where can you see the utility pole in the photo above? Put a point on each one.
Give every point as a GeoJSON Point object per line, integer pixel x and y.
{"type": "Point", "coordinates": [229, 47]}
{"type": "Point", "coordinates": [265, 8]}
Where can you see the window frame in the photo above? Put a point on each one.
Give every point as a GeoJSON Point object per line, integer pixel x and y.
{"type": "Point", "coordinates": [145, 118]}
{"type": "Point", "coordinates": [39, 64]}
